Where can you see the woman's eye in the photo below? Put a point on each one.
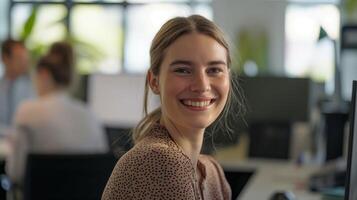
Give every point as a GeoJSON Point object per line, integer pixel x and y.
{"type": "Point", "coordinates": [182, 70]}
{"type": "Point", "coordinates": [214, 70]}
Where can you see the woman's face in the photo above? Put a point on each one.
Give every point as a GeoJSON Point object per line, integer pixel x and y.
{"type": "Point", "coordinates": [193, 82]}
{"type": "Point", "coordinates": [17, 63]}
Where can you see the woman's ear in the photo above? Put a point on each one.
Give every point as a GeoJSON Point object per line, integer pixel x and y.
{"type": "Point", "coordinates": [153, 81]}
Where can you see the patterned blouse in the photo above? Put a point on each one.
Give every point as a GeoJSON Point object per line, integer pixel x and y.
{"type": "Point", "coordinates": [157, 168]}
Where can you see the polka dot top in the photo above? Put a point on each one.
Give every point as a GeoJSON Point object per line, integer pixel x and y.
{"type": "Point", "coordinates": [157, 168]}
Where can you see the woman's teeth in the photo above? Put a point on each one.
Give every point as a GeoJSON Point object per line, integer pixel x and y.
{"type": "Point", "coordinates": [196, 103]}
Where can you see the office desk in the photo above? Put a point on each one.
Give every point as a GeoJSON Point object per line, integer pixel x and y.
{"type": "Point", "coordinates": [271, 176]}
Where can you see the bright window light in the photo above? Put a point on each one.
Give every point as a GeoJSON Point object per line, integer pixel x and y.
{"type": "Point", "coordinates": [305, 56]}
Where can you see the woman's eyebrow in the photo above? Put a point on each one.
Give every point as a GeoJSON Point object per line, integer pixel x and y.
{"type": "Point", "coordinates": [217, 62]}
{"type": "Point", "coordinates": [190, 63]}
{"type": "Point", "coordinates": [181, 62]}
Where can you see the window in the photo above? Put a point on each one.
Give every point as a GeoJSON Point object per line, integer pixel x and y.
{"type": "Point", "coordinates": [104, 39]}
{"type": "Point", "coordinates": [109, 36]}
{"type": "Point", "coordinates": [306, 55]}
{"type": "Point", "coordinates": [46, 29]}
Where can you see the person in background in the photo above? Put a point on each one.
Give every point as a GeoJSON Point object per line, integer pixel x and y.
{"type": "Point", "coordinates": [15, 85]}
{"type": "Point", "coordinates": [54, 123]}
{"type": "Point", "coordinates": [190, 71]}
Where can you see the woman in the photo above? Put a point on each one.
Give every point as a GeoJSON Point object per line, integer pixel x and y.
{"type": "Point", "coordinates": [190, 72]}
{"type": "Point", "coordinates": [54, 123]}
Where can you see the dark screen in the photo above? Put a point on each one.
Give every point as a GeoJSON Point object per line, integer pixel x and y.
{"type": "Point", "coordinates": [276, 99]}
{"type": "Point", "coordinates": [351, 192]}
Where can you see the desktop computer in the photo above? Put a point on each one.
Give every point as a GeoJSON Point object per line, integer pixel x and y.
{"type": "Point", "coordinates": [273, 105]}
{"type": "Point", "coordinates": [338, 174]}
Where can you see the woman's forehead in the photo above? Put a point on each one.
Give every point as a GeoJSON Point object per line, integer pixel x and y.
{"type": "Point", "coordinates": [196, 46]}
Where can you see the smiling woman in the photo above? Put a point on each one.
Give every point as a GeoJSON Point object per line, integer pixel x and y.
{"type": "Point", "coordinates": [190, 71]}
{"type": "Point", "coordinates": [193, 85]}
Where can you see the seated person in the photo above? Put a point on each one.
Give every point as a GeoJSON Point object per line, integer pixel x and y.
{"type": "Point", "coordinates": [54, 123]}
{"type": "Point", "coordinates": [190, 71]}
{"type": "Point", "coordinates": [15, 85]}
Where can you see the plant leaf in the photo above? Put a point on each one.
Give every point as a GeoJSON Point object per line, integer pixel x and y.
{"type": "Point", "coordinates": [29, 24]}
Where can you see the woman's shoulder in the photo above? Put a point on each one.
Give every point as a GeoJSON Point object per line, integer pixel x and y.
{"type": "Point", "coordinates": [152, 159]}
{"type": "Point", "coordinates": [215, 177]}
{"type": "Point", "coordinates": [34, 105]}
{"type": "Point", "coordinates": [150, 171]}
{"type": "Point", "coordinates": [157, 146]}
{"type": "Point", "coordinates": [155, 154]}
{"type": "Point", "coordinates": [207, 158]}
{"type": "Point", "coordinates": [27, 109]}
{"type": "Point", "coordinates": [210, 163]}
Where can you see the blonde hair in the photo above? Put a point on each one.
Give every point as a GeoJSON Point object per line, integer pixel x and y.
{"type": "Point", "coordinates": [170, 32]}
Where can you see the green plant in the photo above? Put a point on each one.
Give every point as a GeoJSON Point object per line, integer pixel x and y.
{"type": "Point", "coordinates": [83, 50]}
{"type": "Point", "coordinates": [252, 47]}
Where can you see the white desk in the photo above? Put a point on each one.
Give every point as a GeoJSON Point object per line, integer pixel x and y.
{"type": "Point", "coordinates": [271, 176]}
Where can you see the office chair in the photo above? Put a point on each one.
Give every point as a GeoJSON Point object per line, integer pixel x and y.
{"type": "Point", "coordinates": [237, 180]}
{"type": "Point", "coordinates": [2, 174]}
{"type": "Point", "coordinates": [119, 140]}
{"type": "Point", "coordinates": [70, 177]}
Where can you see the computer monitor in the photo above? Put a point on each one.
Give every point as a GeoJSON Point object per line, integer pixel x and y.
{"type": "Point", "coordinates": [351, 180]}
{"type": "Point", "coordinates": [117, 100]}
{"type": "Point", "coordinates": [273, 105]}
{"type": "Point", "coordinates": [276, 99]}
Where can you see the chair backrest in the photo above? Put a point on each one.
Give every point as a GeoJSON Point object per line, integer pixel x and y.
{"type": "Point", "coordinates": [67, 177]}
{"type": "Point", "coordinates": [119, 139]}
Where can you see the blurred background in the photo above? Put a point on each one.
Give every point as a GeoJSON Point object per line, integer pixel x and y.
{"type": "Point", "coordinates": [113, 36]}
{"type": "Point", "coordinates": [295, 61]}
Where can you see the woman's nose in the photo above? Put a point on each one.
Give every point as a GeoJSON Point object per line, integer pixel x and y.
{"type": "Point", "coordinates": [200, 83]}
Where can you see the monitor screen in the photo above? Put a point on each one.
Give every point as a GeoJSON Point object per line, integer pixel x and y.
{"type": "Point", "coordinates": [117, 100]}
{"type": "Point", "coordinates": [276, 99]}
{"type": "Point", "coordinates": [351, 184]}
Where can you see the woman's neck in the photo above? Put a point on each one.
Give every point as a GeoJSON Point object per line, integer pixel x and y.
{"type": "Point", "coordinates": [189, 139]}
{"type": "Point", "coordinates": [50, 91]}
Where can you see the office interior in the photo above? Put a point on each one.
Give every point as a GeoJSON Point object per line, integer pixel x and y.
{"type": "Point", "coordinates": [294, 62]}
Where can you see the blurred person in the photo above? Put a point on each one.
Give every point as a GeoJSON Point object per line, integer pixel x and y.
{"type": "Point", "coordinates": [54, 123]}
{"type": "Point", "coordinates": [15, 85]}
{"type": "Point", "coordinates": [190, 71]}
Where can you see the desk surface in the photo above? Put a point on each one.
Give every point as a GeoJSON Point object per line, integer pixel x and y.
{"type": "Point", "coordinates": [274, 175]}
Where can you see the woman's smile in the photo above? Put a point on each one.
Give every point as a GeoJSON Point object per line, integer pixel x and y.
{"type": "Point", "coordinates": [198, 104]}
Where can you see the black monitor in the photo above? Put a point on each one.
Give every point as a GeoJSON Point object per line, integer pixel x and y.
{"type": "Point", "coordinates": [351, 180]}
{"type": "Point", "coordinates": [273, 105]}
{"type": "Point", "coordinates": [277, 99]}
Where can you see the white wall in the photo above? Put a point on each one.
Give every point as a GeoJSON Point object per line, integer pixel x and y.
{"type": "Point", "coordinates": [117, 100]}
{"type": "Point", "coordinates": [231, 15]}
